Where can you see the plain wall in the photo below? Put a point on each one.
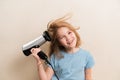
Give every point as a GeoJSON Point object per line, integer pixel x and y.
{"type": "Point", "coordinates": [24, 20]}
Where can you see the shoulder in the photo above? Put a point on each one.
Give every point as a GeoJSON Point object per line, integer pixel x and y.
{"type": "Point", "coordinates": [85, 52]}
{"type": "Point", "coordinates": [88, 58]}
{"type": "Point", "coordinates": [52, 56]}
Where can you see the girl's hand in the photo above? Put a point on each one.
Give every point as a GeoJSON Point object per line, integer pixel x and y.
{"type": "Point", "coordinates": [34, 52]}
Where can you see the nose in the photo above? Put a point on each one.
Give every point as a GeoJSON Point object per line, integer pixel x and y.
{"type": "Point", "coordinates": [68, 38]}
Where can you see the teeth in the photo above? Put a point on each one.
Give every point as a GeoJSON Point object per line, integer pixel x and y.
{"type": "Point", "coordinates": [69, 42]}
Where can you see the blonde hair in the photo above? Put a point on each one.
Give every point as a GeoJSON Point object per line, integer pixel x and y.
{"type": "Point", "coordinates": [53, 26]}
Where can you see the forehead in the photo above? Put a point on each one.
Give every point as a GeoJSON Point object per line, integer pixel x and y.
{"type": "Point", "coordinates": [62, 30]}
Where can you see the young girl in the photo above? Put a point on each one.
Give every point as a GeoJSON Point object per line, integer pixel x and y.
{"type": "Point", "coordinates": [69, 61]}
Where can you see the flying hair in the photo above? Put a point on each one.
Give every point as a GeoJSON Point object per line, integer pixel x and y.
{"type": "Point", "coordinates": [64, 18]}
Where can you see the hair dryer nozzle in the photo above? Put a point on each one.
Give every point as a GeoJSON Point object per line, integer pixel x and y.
{"type": "Point", "coordinates": [46, 36]}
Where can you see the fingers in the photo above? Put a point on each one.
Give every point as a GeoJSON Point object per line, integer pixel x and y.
{"type": "Point", "coordinates": [35, 50]}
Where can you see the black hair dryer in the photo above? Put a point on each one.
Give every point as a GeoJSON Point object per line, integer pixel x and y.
{"type": "Point", "coordinates": [35, 43]}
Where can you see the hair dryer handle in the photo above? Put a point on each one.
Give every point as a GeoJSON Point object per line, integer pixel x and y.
{"type": "Point", "coordinates": [43, 56]}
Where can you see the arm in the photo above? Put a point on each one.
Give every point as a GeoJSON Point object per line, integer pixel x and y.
{"type": "Point", "coordinates": [44, 73]}
{"type": "Point", "coordinates": [88, 74]}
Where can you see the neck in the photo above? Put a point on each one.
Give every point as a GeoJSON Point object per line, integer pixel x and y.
{"type": "Point", "coordinates": [72, 50]}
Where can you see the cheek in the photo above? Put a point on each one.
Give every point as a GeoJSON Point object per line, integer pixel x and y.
{"type": "Point", "coordinates": [73, 35]}
{"type": "Point", "coordinates": [62, 42]}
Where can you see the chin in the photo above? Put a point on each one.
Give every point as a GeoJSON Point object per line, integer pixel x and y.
{"type": "Point", "coordinates": [70, 47]}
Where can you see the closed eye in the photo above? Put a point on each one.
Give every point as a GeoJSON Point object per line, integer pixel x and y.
{"type": "Point", "coordinates": [69, 32]}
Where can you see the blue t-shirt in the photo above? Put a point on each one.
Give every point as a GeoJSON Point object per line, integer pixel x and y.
{"type": "Point", "coordinates": [72, 66]}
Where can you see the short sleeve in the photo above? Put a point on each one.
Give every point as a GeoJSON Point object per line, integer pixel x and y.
{"type": "Point", "coordinates": [51, 60]}
{"type": "Point", "coordinates": [90, 61]}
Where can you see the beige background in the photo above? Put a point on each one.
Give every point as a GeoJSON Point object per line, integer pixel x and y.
{"type": "Point", "coordinates": [24, 20]}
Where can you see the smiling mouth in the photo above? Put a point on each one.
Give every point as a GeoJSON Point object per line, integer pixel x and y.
{"type": "Point", "coordinates": [70, 42]}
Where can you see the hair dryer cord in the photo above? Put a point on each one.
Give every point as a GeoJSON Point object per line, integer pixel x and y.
{"type": "Point", "coordinates": [43, 56]}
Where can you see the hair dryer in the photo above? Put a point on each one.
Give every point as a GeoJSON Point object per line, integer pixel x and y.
{"type": "Point", "coordinates": [35, 43]}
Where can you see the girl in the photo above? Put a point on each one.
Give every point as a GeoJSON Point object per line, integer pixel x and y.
{"type": "Point", "coordinates": [69, 61]}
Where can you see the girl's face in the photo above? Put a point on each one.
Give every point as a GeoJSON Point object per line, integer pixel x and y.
{"type": "Point", "coordinates": [66, 37]}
